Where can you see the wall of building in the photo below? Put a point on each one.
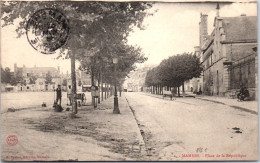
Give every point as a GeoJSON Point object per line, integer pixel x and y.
{"type": "Point", "coordinates": [219, 78]}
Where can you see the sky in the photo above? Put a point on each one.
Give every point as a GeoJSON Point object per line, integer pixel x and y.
{"type": "Point", "coordinates": [172, 30]}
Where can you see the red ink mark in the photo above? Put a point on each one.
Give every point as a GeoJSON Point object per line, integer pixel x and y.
{"type": "Point", "coordinates": [12, 140]}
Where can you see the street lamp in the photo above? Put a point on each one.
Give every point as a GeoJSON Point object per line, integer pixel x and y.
{"type": "Point", "coordinates": [116, 107]}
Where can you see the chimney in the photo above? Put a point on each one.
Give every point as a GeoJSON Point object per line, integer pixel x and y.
{"type": "Point", "coordinates": [203, 28]}
{"type": "Point", "coordinates": [197, 49]}
{"type": "Point", "coordinates": [217, 14]}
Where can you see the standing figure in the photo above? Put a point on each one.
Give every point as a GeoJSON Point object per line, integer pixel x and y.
{"type": "Point", "coordinates": [58, 93]}
{"type": "Point", "coordinates": [69, 95]}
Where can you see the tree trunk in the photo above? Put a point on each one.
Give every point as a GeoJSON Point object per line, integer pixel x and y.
{"type": "Point", "coordinates": [99, 87]}
{"type": "Point", "coordinates": [111, 90]}
{"type": "Point", "coordinates": [92, 84]}
{"type": "Point", "coordinates": [102, 97]}
{"type": "Point", "coordinates": [105, 91]}
{"type": "Point", "coordinates": [73, 85]}
{"type": "Point", "coordinates": [183, 90]}
{"type": "Point", "coordinates": [178, 91]}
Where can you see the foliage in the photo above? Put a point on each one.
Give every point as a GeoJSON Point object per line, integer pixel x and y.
{"type": "Point", "coordinates": [98, 32]}
{"type": "Point", "coordinates": [9, 77]}
{"type": "Point", "coordinates": [6, 75]}
{"type": "Point", "coordinates": [175, 70]}
{"type": "Point", "coordinates": [32, 78]}
{"type": "Point", "coordinates": [18, 78]}
{"type": "Point", "coordinates": [152, 77]}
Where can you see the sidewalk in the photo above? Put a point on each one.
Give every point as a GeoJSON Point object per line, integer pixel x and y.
{"type": "Point", "coordinates": [94, 135]}
{"type": "Point", "coordinates": [248, 106]}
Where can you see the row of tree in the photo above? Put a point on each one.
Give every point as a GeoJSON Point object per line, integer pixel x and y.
{"type": "Point", "coordinates": [173, 72]}
{"type": "Point", "coordinates": [98, 32]}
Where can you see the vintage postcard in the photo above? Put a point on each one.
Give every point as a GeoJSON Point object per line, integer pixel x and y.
{"type": "Point", "coordinates": [129, 81]}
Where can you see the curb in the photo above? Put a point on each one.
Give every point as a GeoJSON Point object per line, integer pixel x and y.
{"type": "Point", "coordinates": [235, 107]}
{"type": "Point", "coordinates": [139, 135]}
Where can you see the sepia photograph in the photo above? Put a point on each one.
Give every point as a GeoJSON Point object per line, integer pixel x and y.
{"type": "Point", "coordinates": [129, 81]}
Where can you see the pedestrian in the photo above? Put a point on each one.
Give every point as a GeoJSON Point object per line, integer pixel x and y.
{"type": "Point", "coordinates": [69, 95]}
{"type": "Point", "coordinates": [174, 92]}
{"type": "Point", "coordinates": [243, 94]}
{"type": "Point", "coordinates": [58, 95]}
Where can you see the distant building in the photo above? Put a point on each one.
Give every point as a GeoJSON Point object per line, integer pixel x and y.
{"type": "Point", "coordinates": [136, 80]}
{"type": "Point", "coordinates": [195, 85]}
{"type": "Point", "coordinates": [227, 54]}
{"type": "Point", "coordinates": [83, 80]}
{"type": "Point", "coordinates": [40, 73]}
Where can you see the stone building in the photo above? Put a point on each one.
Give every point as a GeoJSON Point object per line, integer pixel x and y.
{"type": "Point", "coordinates": [40, 73]}
{"type": "Point", "coordinates": [195, 85]}
{"type": "Point", "coordinates": [228, 56]}
{"type": "Point", "coordinates": [83, 81]}
{"type": "Point", "coordinates": [136, 80]}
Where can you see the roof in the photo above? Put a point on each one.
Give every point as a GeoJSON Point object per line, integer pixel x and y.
{"type": "Point", "coordinates": [240, 28]}
{"type": "Point", "coordinates": [41, 69]}
{"type": "Point", "coordinates": [209, 40]}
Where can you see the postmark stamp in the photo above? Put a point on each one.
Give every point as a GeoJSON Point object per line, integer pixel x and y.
{"type": "Point", "coordinates": [47, 30]}
{"type": "Point", "coordinates": [12, 140]}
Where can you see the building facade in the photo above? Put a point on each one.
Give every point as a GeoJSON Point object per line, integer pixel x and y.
{"type": "Point", "coordinates": [228, 56]}
{"type": "Point", "coordinates": [136, 80]}
{"type": "Point", "coordinates": [40, 73]}
{"type": "Point", "coordinates": [82, 80]}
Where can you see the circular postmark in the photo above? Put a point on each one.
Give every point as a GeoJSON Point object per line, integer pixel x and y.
{"type": "Point", "coordinates": [12, 140]}
{"type": "Point", "coordinates": [47, 30]}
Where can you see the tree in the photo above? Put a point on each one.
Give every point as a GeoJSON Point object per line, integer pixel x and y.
{"type": "Point", "coordinates": [17, 78]}
{"type": "Point", "coordinates": [6, 75]}
{"type": "Point", "coordinates": [152, 79]}
{"type": "Point", "coordinates": [187, 66]}
{"type": "Point", "coordinates": [96, 28]}
{"type": "Point", "coordinates": [32, 78]}
{"type": "Point", "coordinates": [90, 22]}
{"type": "Point", "coordinates": [175, 70]}
{"type": "Point", "coordinates": [48, 78]}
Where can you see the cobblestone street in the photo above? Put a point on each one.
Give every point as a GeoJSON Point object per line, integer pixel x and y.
{"type": "Point", "coordinates": [130, 81]}
{"type": "Point", "coordinates": [148, 128]}
{"type": "Point", "coordinates": [174, 129]}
